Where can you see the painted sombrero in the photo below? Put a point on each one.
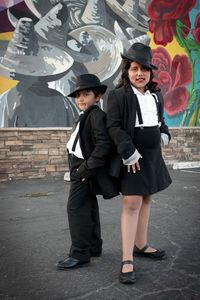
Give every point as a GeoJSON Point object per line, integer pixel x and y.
{"type": "Point", "coordinates": [26, 56]}
{"type": "Point", "coordinates": [131, 13]}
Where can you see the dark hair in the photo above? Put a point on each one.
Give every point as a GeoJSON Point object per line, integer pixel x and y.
{"type": "Point", "coordinates": [124, 81]}
{"type": "Point", "coordinates": [95, 90]}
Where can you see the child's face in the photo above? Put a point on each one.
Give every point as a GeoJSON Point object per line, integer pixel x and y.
{"type": "Point", "coordinates": [84, 99]}
{"type": "Point", "coordinates": [139, 76]}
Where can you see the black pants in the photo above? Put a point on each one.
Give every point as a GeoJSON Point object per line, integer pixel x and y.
{"type": "Point", "coordinates": [83, 217]}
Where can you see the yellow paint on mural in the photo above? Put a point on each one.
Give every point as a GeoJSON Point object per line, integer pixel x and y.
{"type": "Point", "coordinates": [192, 121]}
{"type": "Point", "coordinates": [173, 48]}
{"type": "Point", "coordinates": [6, 84]}
{"type": "Point", "coordinates": [6, 36]}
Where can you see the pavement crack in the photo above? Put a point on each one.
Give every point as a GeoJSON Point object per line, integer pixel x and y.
{"type": "Point", "coordinates": [94, 291]}
{"type": "Point", "coordinates": [156, 293]}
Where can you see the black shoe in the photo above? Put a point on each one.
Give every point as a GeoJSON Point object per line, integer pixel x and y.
{"type": "Point", "coordinates": [70, 263]}
{"type": "Point", "coordinates": [158, 254]}
{"type": "Point", "coordinates": [129, 277]}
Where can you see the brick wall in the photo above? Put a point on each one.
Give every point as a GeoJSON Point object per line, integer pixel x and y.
{"type": "Point", "coordinates": [41, 152]}
{"type": "Point", "coordinates": [184, 145]}
{"type": "Point", "coordinates": [33, 153]}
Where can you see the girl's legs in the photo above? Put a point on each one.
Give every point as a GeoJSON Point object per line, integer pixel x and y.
{"type": "Point", "coordinates": [143, 221]}
{"type": "Point", "coordinates": [129, 221]}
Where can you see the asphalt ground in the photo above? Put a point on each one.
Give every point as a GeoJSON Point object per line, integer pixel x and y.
{"type": "Point", "coordinates": [34, 235]}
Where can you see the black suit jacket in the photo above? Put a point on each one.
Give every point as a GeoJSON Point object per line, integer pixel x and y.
{"type": "Point", "coordinates": [121, 115]}
{"type": "Point", "coordinates": [96, 145]}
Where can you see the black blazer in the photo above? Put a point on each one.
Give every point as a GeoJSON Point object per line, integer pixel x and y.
{"type": "Point", "coordinates": [96, 145]}
{"type": "Point", "coordinates": [120, 122]}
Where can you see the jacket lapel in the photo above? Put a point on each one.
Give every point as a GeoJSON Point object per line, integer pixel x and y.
{"type": "Point", "coordinates": [130, 103]}
{"type": "Point", "coordinates": [84, 116]}
{"type": "Point", "coordinates": [85, 133]}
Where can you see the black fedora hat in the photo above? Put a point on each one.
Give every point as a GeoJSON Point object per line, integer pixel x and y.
{"type": "Point", "coordinates": [87, 81]}
{"type": "Point", "coordinates": [141, 54]}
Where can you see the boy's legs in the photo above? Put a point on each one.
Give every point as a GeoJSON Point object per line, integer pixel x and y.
{"type": "Point", "coordinates": [83, 220]}
{"type": "Point", "coordinates": [96, 246]}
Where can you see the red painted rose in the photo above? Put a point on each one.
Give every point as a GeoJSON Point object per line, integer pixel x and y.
{"type": "Point", "coordinates": [196, 30]}
{"type": "Point", "coordinates": [176, 100]}
{"type": "Point", "coordinates": [163, 15]}
{"type": "Point", "coordinates": [181, 71]}
{"type": "Point", "coordinates": [172, 76]}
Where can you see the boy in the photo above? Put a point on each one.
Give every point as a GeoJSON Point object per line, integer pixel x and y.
{"type": "Point", "coordinates": [88, 148]}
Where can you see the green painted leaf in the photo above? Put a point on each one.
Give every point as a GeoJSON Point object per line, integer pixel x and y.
{"type": "Point", "coordinates": [192, 45]}
{"type": "Point", "coordinates": [191, 98]}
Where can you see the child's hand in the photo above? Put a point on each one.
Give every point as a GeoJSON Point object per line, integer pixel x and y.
{"type": "Point", "coordinates": [134, 167]}
{"type": "Point", "coordinates": [164, 140]}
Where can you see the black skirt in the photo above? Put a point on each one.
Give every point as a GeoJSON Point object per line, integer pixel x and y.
{"type": "Point", "coordinates": [153, 175]}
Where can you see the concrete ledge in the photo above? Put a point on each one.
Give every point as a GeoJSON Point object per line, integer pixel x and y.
{"type": "Point", "coordinates": [186, 165]}
{"type": "Point", "coordinates": [35, 128]}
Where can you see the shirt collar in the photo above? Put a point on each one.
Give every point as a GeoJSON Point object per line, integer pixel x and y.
{"type": "Point", "coordinates": [138, 92]}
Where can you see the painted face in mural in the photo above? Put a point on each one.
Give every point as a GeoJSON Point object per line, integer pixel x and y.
{"type": "Point", "coordinates": [139, 76]}
{"type": "Point", "coordinates": [84, 99]}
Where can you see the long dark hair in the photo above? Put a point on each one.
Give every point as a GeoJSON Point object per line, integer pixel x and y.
{"type": "Point", "coordinates": [152, 86]}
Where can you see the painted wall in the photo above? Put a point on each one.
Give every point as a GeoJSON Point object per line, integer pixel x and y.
{"type": "Point", "coordinates": [45, 44]}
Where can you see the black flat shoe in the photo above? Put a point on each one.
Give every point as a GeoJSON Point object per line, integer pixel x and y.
{"type": "Point", "coordinates": [70, 263]}
{"type": "Point", "coordinates": [129, 277]}
{"type": "Point", "coordinates": [158, 254]}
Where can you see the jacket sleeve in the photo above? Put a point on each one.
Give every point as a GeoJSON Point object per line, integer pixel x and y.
{"type": "Point", "coordinates": [118, 134]}
{"type": "Point", "coordinates": [102, 145]}
{"type": "Point", "coordinates": [163, 127]}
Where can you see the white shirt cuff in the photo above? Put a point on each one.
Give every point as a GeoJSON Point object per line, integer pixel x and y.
{"type": "Point", "coordinates": [132, 159]}
{"type": "Point", "coordinates": [164, 139]}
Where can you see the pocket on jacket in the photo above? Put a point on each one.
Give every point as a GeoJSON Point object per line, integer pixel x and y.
{"type": "Point", "coordinates": [74, 175]}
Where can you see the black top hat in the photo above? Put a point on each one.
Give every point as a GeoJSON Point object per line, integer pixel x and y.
{"type": "Point", "coordinates": [141, 54]}
{"type": "Point", "coordinates": [87, 81]}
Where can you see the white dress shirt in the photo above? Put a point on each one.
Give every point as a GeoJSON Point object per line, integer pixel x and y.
{"type": "Point", "coordinates": [77, 152]}
{"type": "Point", "coordinates": [148, 109]}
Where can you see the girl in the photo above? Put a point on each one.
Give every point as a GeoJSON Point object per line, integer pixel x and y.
{"type": "Point", "coordinates": [136, 125]}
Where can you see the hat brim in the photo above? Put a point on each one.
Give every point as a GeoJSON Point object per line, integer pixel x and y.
{"type": "Point", "coordinates": [102, 88]}
{"type": "Point", "coordinates": [49, 62]}
{"type": "Point", "coordinates": [147, 64]}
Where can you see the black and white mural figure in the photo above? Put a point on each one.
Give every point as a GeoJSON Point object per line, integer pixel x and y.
{"type": "Point", "coordinates": [58, 42]}
{"type": "Point", "coordinates": [31, 102]}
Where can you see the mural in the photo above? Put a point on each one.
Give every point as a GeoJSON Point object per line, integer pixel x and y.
{"type": "Point", "coordinates": [45, 44]}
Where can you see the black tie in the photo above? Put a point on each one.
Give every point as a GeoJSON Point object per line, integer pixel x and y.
{"type": "Point", "coordinates": [77, 136]}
